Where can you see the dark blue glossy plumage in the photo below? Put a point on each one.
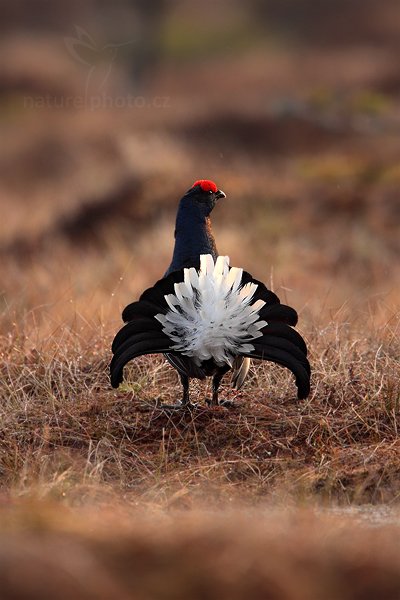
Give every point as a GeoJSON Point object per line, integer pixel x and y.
{"type": "Point", "coordinates": [193, 235]}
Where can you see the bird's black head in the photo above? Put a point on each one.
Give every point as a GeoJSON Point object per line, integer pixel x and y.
{"type": "Point", "coordinates": [203, 195]}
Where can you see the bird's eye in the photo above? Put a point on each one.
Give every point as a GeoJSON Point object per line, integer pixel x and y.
{"type": "Point", "coordinates": [210, 192]}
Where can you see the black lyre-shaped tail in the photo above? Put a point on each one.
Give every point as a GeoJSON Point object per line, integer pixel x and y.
{"type": "Point", "coordinates": [284, 346]}
{"type": "Point", "coordinates": [280, 343]}
{"type": "Point", "coordinates": [143, 333]}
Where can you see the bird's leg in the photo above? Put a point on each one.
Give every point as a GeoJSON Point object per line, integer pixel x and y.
{"type": "Point", "coordinates": [185, 402]}
{"type": "Point", "coordinates": [185, 384]}
{"type": "Point", "coordinates": [215, 387]}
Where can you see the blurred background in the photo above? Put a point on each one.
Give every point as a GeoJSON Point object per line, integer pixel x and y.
{"type": "Point", "coordinates": [110, 110]}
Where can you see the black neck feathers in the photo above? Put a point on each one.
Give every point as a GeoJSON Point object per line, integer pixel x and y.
{"type": "Point", "coordinates": [193, 236]}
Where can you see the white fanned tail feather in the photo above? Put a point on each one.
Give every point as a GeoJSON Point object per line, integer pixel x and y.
{"type": "Point", "coordinates": [211, 314]}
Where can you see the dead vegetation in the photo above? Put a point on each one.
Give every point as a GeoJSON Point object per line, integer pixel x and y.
{"type": "Point", "coordinates": [63, 429]}
{"type": "Point", "coordinates": [51, 552]}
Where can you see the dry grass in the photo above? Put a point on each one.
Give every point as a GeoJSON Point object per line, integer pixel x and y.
{"type": "Point", "coordinates": [65, 433]}
{"type": "Point", "coordinates": [53, 553]}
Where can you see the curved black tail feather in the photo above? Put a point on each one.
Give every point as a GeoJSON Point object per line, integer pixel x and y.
{"type": "Point", "coordinates": [284, 353]}
{"type": "Point", "coordinates": [143, 334]}
{"type": "Point", "coordinates": [138, 347]}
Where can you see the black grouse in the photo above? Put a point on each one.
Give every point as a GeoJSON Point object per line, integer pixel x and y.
{"type": "Point", "coordinates": [205, 316]}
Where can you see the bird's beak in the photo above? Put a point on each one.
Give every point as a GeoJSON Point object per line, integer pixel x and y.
{"type": "Point", "coordinates": [220, 194]}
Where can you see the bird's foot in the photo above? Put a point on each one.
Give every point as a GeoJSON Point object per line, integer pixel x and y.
{"type": "Point", "coordinates": [227, 404]}
{"type": "Point", "coordinates": [224, 403]}
{"type": "Point", "coordinates": [178, 406]}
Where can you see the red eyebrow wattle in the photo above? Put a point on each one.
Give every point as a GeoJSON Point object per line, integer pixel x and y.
{"type": "Point", "coordinates": [206, 185]}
